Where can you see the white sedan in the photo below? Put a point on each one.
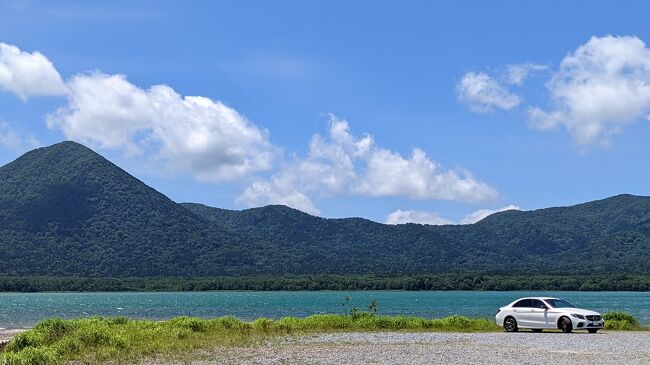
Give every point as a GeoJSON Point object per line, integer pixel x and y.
{"type": "Point", "coordinates": [539, 313]}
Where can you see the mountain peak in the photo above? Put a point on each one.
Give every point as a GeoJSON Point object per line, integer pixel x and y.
{"type": "Point", "coordinates": [67, 156]}
{"type": "Point", "coordinates": [64, 146]}
{"type": "Point", "coordinates": [64, 184]}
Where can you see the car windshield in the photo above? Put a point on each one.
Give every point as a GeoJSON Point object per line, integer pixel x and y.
{"type": "Point", "coordinates": [559, 303]}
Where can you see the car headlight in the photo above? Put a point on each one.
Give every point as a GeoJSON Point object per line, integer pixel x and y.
{"type": "Point", "coordinates": [577, 315]}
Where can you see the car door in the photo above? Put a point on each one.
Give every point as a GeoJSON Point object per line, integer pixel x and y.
{"type": "Point", "coordinates": [538, 314]}
{"type": "Point", "coordinates": [552, 316]}
{"type": "Point", "coordinates": [521, 311]}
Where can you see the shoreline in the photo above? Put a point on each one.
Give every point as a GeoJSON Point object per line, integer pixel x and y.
{"type": "Point", "coordinates": [7, 334]}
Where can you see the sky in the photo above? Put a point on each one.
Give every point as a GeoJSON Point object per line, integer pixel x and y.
{"type": "Point", "coordinates": [414, 111]}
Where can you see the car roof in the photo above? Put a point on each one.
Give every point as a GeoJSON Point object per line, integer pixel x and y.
{"type": "Point", "coordinates": [543, 298]}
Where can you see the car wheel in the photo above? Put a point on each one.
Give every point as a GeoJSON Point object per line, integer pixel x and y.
{"type": "Point", "coordinates": [592, 330]}
{"type": "Point", "coordinates": [510, 324]}
{"type": "Point", "coordinates": [537, 330]}
{"type": "Point", "coordinates": [565, 325]}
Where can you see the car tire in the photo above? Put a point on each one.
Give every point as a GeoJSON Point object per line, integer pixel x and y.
{"type": "Point", "coordinates": [537, 330]}
{"type": "Point", "coordinates": [510, 324]}
{"type": "Point", "coordinates": [565, 325]}
{"type": "Point", "coordinates": [593, 330]}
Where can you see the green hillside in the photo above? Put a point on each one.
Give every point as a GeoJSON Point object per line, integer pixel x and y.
{"type": "Point", "coordinates": [67, 211]}
{"type": "Point", "coordinates": [609, 235]}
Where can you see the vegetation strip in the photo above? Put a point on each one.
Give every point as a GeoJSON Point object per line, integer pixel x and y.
{"type": "Point", "coordinates": [443, 281]}
{"type": "Point", "coordinates": [97, 339]}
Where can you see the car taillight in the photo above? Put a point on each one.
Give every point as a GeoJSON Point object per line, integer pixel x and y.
{"type": "Point", "coordinates": [498, 310]}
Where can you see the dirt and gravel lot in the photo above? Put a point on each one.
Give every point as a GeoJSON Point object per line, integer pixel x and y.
{"type": "Point", "coordinates": [445, 348]}
{"type": "Point", "coordinates": [431, 348]}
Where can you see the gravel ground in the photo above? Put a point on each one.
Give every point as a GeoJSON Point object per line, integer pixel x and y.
{"type": "Point", "coordinates": [432, 348]}
{"type": "Point", "coordinates": [442, 348]}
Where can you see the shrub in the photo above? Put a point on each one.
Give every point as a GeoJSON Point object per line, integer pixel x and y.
{"type": "Point", "coordinates": [289, 324]}
{"type": "Point", "coordinates": [117, 320]}
{"type": "Point", "coordinates": [263, 324]}
{"type": "Point", "coordinates": [620, 320]}
{"type": "Point", "coordinates": [53, 329]}
{"type": "Point", "coordinates": [229, 322]}
{"type": "Point", "coordinates": [25, 340]}
{"type": "Point", "coordinates": [93, 336]}
{"type": "Point", "coordinates": [31, 356]}
{"type": "Point", "coordinates": [193, 324]}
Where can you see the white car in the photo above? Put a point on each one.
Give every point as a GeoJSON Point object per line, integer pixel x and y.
{"type": "Point", "coordinates": [539, 313]}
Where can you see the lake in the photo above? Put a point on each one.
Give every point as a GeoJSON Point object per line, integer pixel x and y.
{"type": "Point", "coordinates": [19, 310]}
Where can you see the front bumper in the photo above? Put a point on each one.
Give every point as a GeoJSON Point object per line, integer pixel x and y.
{"type": "Point", "coordinates": [583, 324]}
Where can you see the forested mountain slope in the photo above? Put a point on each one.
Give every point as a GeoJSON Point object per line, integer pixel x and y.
{"type": "Point", "coordinates": [67, 211]}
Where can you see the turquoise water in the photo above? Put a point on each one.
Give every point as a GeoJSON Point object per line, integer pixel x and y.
{"type": "Point", "coordinates": [18, 310]}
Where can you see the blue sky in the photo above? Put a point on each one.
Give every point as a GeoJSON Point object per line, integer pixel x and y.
{"type": "Point", "coordinates": [375, 80]}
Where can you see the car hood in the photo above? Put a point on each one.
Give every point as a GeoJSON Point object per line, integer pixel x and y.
{"type": "Point", "coordinates": [584, 312]}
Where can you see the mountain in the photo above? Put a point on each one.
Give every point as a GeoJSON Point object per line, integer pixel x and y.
{"type": "Point", "coordinates": [67, 211]}
{"type": "Point", "coordinates": [609, 235]}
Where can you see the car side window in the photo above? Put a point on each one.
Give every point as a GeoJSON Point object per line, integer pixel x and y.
{"type": "Point", "coordinates": [538, 304]}
{"type": "Point", "coordinates": [524, 303]}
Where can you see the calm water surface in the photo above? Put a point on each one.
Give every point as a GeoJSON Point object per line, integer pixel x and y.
{"type": "Point", "coordinates": [18, 310]}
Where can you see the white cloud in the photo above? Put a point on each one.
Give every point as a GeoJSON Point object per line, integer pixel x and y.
{"type": "Point", "coordinates": [601, 87]}
{"type": "Point", "coordinates": [517, 74]}
{"type": "Point", "coordinates": [281, 189]}
{"type": "Point", "coordinates": [417, 177]}
{"type": "Point", "coordinates": [483, 213]}
{"type": "Point", "coordinates": [347, 165]}
{"type": "Point", "coordinates": [413, 216]}
{"type": "Point", "coordinates": [483, 93]}
{"type": "Point", "coordinates": [9, 138]}
{"type": "Point", "coordinates": [28, 74]}
{"type": "Point", "coordinates": [192, 133]}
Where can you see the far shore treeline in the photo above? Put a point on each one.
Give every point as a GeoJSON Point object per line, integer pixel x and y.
{"type": "Point", "coordinates": [627, 282]}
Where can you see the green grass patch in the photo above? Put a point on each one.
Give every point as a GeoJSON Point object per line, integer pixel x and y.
{"type": "Point", "coordinates": [96, 339]}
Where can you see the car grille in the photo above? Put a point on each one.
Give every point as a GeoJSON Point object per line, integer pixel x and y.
{"type": "Point", "coordinates": [593, 318]}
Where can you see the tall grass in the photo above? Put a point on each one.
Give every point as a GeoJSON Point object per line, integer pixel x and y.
{"type": "Point", "coordinates": [96, 339]}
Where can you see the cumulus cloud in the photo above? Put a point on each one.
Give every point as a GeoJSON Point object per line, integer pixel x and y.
{"type": "Point", "coordinates": [28, 74]}
{"type": "Point", "coordinates": [414, 216]}
{"type": "Point", "coordinates": [483, 213]}
{"type": "Point", "coordinates": [517, 74]}
{"type": "Point", "coordinates": [483, 93]}
{"type": "Point", "coordinates": [418, 177]}
{"type": "Point", "coordinates": [410, 216]}
{"type": "Point", "coordinates": [344, 164]}
{"type": "Point", "coordinates": [192, 133]}
{"type": "Point", "coordinates": [9, 138]}
{"type": "Point", "coordinates": [601, 87]}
